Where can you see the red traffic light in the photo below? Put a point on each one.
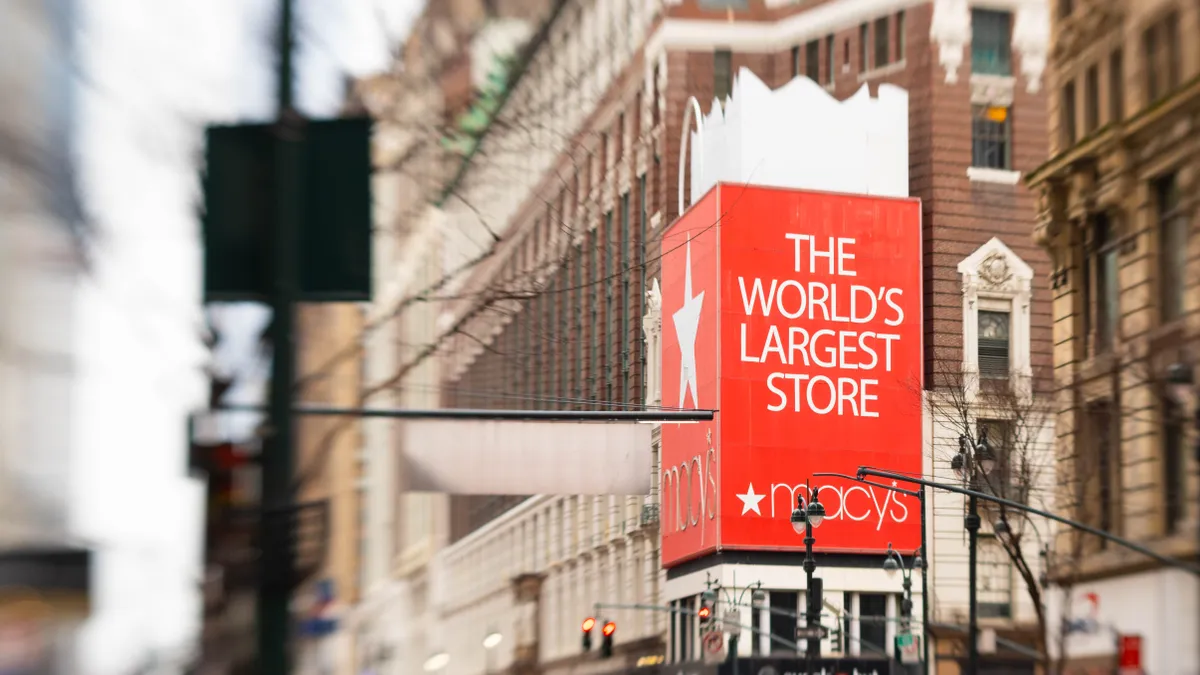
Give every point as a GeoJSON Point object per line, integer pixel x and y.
{"type": "Point", "coordinates": [704, 612]}
{"type": "Point", "coordinates": [609, 628]}
{"type": "Point", "coordinates": [588, 624]}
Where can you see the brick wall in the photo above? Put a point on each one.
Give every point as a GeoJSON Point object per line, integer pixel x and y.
{"type": "Point", "coordinates": [959, 215]}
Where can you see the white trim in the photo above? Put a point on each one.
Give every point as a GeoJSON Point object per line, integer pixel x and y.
{"type": "Point", "coordinates": [994, 278]}
{"type": "Point", "coordinates": [951, 31]}
{"type": "Point", "coordinates": [760, 37]}
{"type": "Point", "coordinates": [882, 71]}
{"type": "Point", "coordinates": [979, 174]}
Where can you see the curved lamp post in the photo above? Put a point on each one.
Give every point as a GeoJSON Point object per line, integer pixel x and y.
{"type": "Point", "coordinates": [971, 466]}
{"type": "Point", "coordinates": [893, 563]}
{"type": "Point", "coordinates": [805, 517]}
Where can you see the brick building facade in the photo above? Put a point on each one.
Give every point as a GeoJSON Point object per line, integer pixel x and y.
{"type": "Point", "coordinates": [556, 218]}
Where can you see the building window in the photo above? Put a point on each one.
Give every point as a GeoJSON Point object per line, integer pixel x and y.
{"type": "Point", "coordinates": [597, 331]}
{"type": "Point", "coordinates": [872, 618]}
{"type": "Point", "coordinates": [829, 58]}
{"type": "Point", "coordinates": [608, 280]}
{"type": "Point", "coordinates": [1101, 467]}
{"type": "Point", "coordinates": [995, 580]}
{"type": "Point", "coordinates": [795, 62]}
{"type": "Point", "coordinates": [991, 137]}
{"type": "Point", "coordinates": [620, 353]}
{"type": "Point", "coordinates": [784, 605]}
{"type": "Point", "coordinates": [1101, 290]}
{"type": "Point", "coordinates": [864, 43]}
{"type": "Point", "coordinates": [1173, 465]}
{"type": "Point", "coordinates": [991, 49]}
{"type": "Point", "coordinates": [1116, 87]}
{"type": "Point", "coordinates": [722, 74]}
{"type": "Point", "coordinates": [1066, 110]}
{"type": "Point", "coordinates": [1172, 248]}
{"type": "Point", "coordinates": [601, 176]}
{"type": "Point", "coordinates": [994, 341]}
{"type": "Point", "coordinates": [846, 53]}
{"type": "Point", "coordinates": [882, 42]}
{"type": "Point", "coordinates": [686, 620]}
{"type": "Point", "coordinates": [901, 38]}
{"type": "Point", "coordinates": [654, 98]}
{"type": "Point", "coordinates": [1160, 46]}
{"type": "Point", "coordinates": [812, 60]}
{"type": "Point", "coordinates": [619, 141]}
{"type": "Point", "coordinates": [1091, 99]}
{"type": "Point", "coordinates": [1009, 479]}
{"type": "Point", "coordinates": [640, 249]}
{"type": "Point", "coordinates": [580, 392]}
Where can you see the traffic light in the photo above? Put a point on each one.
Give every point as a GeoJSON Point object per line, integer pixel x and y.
{"type": "Point", "coordinates": [588, 624]}
{"type": "Point", "coordinates": [707, 611]}
{"type": "Point", "coordinates": [606, 643]}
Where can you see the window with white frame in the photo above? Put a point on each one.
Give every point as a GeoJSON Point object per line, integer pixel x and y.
{"type": "Point", "coordinates": [997, 291]}
{"type": "Point", "coordinates": [994, 342]}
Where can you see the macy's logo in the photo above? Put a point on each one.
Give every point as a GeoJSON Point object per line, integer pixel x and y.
{"type": "Point", "coordinates": [854, 502]}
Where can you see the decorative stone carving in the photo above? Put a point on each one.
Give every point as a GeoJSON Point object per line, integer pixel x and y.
{"type": "Point", "coordinates": [1031, 38]}
{"type": "Point", "coordinates": [951, 30]}
{"type": "Point", "coordinates": [1050, 214]}
{"type": "Point", "coordinates": [654, 299]}
{"type": "Point", "coordinates": [992, 90]}
{"type": "Point", "coordinates": [652, 330]}
{"type": "Point", "coordinates": [994, 271]}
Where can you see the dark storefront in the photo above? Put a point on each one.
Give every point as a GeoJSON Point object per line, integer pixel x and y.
{"type": "Point", "coordinates": [787, 666]}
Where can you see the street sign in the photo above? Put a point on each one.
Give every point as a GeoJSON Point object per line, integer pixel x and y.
{"type": "Point", "coordinates": [810, 632]}
{"type": "Point", "coordinates": [1129, 656]}
{"type": "Point", "coordinates": [334, 211]}
{"type": "Point", "coordinates": [713, 643]}
{"type": "Point", "coordinates": [733, 621]}
{"type": "Point", "coordinates": [908, 648]}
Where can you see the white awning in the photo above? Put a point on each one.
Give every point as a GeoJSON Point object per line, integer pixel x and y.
{"type": "Point", "coordinates": [489, 457]}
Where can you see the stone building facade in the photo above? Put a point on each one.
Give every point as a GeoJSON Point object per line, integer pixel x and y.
{"type": "Point", "coordinates": [1117, 213]}
{"type": "Point", "coordinates": [547, 243]}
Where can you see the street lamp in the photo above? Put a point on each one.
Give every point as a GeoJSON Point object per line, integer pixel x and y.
{"type": "Point", "coordinates": [893, 563]}
{"type": "Point", "coordinates": [490, 642]}
{"type": "Point", "coordinates": [437, 662]}
{"type": "Point", "coordinates": [804, 518]}
{"type": "Point", "coordinates": [971, 464]}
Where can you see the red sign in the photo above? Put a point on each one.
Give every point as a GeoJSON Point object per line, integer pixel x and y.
{"type": "Point", "coordinates": [1129, 659]}
{"type": "Point", "coordinates": [797, 316]}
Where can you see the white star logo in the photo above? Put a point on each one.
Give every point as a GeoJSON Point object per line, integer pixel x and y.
{"type": "Point", "coordinates": [687, 324]}
{"type": "Point", "coordinates": [750, 501]}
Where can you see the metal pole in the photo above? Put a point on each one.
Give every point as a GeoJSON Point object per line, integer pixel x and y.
{"type": "Point", "coordinates": [810, 619]}
{"type": "Point", "coordinates": [925, 556]}
{"type": "Point", "coordinates": [647, 416]}
{"type": "Point", "coordinates": [275, 573]}
{"type": "Point", "coordinates": [972, 524]}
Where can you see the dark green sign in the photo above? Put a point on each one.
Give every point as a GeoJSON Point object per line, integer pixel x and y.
{"type": "Point", "coordinates": [240, 198]}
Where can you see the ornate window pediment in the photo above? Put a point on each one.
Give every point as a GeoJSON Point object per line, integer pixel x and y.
{"type": "Point", "coordinates": [997, 288]}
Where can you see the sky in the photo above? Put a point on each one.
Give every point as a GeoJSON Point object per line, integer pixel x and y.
{"type": "Point", "coordinates": [155, 74]}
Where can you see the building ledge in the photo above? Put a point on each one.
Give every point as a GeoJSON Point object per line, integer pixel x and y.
{"type": "Point", "coordinates": [979, 174]}
{"type": "Point", "coordinates": [1145, 122]}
